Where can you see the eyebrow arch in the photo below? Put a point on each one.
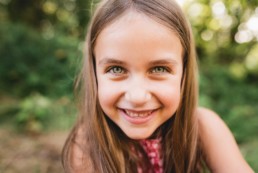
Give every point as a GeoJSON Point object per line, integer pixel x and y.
{"type": "Point", "coordinates": [110, 61]}
{"type": "Point", "coordinates": [105, 61]}
{"type": "Point", "coordinates": [163, 62]}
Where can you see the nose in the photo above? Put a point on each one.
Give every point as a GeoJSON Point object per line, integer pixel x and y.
{"type": "Point", "coordinates": [137, 95]}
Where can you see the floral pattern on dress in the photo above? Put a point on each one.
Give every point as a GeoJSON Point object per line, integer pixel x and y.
{"type": "Point", "coordinates": [153, 149]}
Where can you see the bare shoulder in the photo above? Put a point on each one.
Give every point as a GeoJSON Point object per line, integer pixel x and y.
{"type": "Point", "coordinates": [220, 148]}
{"type": "Point", "coordinates": [79, 153]}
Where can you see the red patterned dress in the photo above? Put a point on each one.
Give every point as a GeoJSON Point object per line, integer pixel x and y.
{"type": "Point", "coordinates": [153, 148]}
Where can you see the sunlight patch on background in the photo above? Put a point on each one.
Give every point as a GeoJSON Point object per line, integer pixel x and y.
{"type": "Point", "coordinates": [219, 12]}
{"type": "Point", "coordinates": [218, 9]}
{"type": "Point", "coordinates": [248, 30]}
{"type": "Point", "coordinates": [50, 7]}
{"type": "Point", "coordinates": [181, 2]}
{"type": "Point", "coordinates": [251, 60]}
{"type": "Point", "coordinates": [226, 21]}
{"type": "Point", "coordinates": [243, 36]}
{"type": "Point", "coordinates": [214, 24]}
{"type": "Point", "coordinates": [195, 10]}
{"type": "Point", "coordinates": [252, 23]}
{"type": "Point", "coordinates": [207, 35]}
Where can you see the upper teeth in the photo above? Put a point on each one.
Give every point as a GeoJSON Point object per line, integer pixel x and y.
{"type": "Point", "coordinates": [134, 114]}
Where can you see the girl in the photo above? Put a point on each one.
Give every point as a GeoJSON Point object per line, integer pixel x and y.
{"type": "Point", "coordinates": [138, 98]}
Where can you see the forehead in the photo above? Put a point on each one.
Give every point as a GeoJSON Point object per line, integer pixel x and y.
{"type": "Point", "coordinates": [138, 28]}
{"type": "Point", "coordinates": [132, 18]}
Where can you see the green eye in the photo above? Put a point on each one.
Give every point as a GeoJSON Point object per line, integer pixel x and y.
{"type": "Point", "coordinates": [116, 70]}
{"type": "Point", "coordinates": [159, 70]}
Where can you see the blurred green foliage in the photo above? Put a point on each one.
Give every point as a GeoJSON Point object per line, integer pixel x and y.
{"type": "Point", "coordinates": [41, 46]}
{"type": "Point", "coordinates": [31, 63]}
{"type": "Point", "coordinates": [37, 112]}
{"type": "Point", "coordinates": [236, 101]}
{"type": "Point", "coordinates": [33, 111]}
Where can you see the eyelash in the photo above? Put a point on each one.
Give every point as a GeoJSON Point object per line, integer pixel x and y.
{"type": "Point", "coordinates": [117, 70]}
{"type": "Point", "coordinates": [112, 68]}
{"type": "Point", "coordinates": [164, 69]}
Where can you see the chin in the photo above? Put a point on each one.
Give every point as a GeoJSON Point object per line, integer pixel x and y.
{"type": "Point", "coordinates": [138, 135]}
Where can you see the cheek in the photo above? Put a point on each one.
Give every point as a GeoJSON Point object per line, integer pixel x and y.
{"type": "Point", "coordinates": [107, 94]}
{"type": "Point", "coordinates": [169, 95]}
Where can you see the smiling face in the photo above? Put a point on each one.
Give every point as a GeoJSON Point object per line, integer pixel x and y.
{"type": "Point", "coordinates": [139, 70]}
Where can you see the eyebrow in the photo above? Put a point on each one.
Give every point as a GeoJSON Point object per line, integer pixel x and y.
{"type": "Point", "coordinates": [110, 61]}
{"type": "Point", "coordinates": [105, 61]}
{"type": "Point", "coordinates": [163, 62]}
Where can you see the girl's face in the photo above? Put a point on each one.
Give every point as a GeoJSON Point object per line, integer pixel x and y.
{"type": "Point", "coordinates": [139, 70]}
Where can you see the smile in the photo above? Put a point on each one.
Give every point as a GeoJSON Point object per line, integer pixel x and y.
{"type": "Point", "coordinates": [135, 114]}
{"type": "Point", "coordinates": [138, 117]}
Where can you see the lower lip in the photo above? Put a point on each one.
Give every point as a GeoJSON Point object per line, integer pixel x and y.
{"type": "Point", "coordinates": [137, 120]}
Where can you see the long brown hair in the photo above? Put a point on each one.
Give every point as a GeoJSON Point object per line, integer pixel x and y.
{"type": "Point", "coordinates": [102, 142]}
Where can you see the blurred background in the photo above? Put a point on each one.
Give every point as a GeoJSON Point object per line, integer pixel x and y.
{"type": "Point", "coordinates": [40, 51]}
